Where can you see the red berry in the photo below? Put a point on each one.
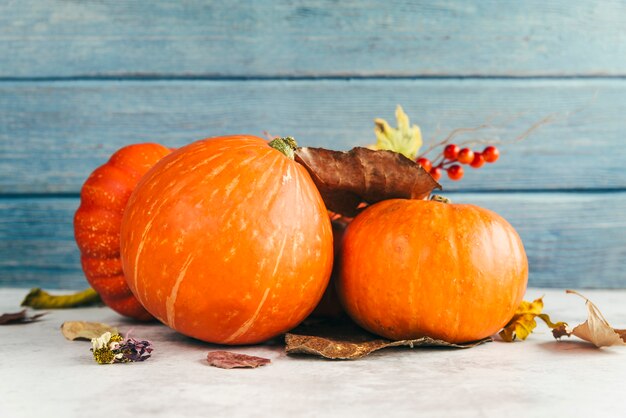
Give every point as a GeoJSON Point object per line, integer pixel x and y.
{"type": "Point", "coordinates": [478, 160]}
{"type": "Point", "coordinates": [455, 172]}
{"type": "Point", "coordinates": [465, 156]}
{"type": "Point", "coordinates": [451, 151]}
{"type": "Point", "coordinates": [436, 173]}
{"type": "Point", "coordinates": [425, 163]}
{"type": "Point", "coordinates": [491, 154]}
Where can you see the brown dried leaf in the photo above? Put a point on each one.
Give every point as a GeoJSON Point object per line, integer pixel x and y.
{"type": "Point", "coordinates": [228, 360]}
{"type": "Point", "coordinates": [595, 329]}
{"type": "Point", "coordinates": [346, 179]}
{"type": "Point", "coordinates": [82, 330]}
{"type": "Point", "coordinates": [19, 318]}
{"type": "Point", "coordinates": [343, 340]}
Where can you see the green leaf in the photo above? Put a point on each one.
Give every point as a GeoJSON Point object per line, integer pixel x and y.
{"type": "Point", "coordinates": [406, 139]}
{"type": "Point", "coordinates": [40, 299]}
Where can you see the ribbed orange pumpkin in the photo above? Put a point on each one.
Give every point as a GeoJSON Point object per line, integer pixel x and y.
{"type": "Point", "coordinates": [413, 268]}
{"type": "Point", "coordinates": [98, 221]}
{"type": "Point", "coordinates": [227, 240]}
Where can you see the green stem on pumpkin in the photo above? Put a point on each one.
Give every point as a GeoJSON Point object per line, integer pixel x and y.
{"type": "Point", "coordinates": [441, 199]}
{"type": "Point", "coordinates": [40, 299]}
{"type": "Point", "coordinates": [286, 145]}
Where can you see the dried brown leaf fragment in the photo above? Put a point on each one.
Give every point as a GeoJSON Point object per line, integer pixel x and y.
{"type": "Point", "coordinates": [229, 360]}
{"type": "Point", "coordinates": [20, 317]}
{"type": "Point", "coordinates": [344, 340]}
{"type": "Point", "coordinates": [348, 179]}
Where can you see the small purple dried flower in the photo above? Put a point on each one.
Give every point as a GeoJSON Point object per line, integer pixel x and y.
{"type": "Point", "coordinates": [112, 348]}
{"type": "Point", "coordinates": [134, 350]}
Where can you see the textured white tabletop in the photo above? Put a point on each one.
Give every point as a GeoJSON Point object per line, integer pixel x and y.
{"type": "Point", "coordinates": [44, 375]}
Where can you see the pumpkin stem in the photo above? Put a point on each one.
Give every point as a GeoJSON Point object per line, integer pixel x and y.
{"type": "Point", "coordinates": [286, 145]}
{"type": "Point", "coordinates": [441, 199]}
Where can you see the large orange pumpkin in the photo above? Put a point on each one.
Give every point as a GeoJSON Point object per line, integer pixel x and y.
{"type": "Point", "coordinates": [227, 240]}
{"type": "Point", "coordinates": [413, 268]}
{"type": "Point", "coordinates": [98, 221]}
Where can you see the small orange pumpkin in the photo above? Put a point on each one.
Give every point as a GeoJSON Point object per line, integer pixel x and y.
{"type": "Point", "coordinates": [98, 221]}
{"type": "Point", "coordinates": [227, 240]}
{"type": "Point", "coordinates": [414, 268]}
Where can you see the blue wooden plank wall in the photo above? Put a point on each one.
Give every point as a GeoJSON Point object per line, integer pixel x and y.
{"type": "Point", "coordinates": [79, 79]}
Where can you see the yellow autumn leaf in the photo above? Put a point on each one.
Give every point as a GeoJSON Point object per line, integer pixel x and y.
{"type": "Point", "coordinates": [523, 322]}
{"type": "Point", "coordinates": [406, 139]}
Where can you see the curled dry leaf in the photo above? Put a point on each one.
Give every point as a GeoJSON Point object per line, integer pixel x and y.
{"type": "Point", "coordinates": [82, 330]}
{"type": "Point", "coordinates": [40, 299]}
{"type": "Point", "coordinates": [229, 360]}
{"type": "Point", "coordinates": [595, 329]}
{"type": "Point", "coordinates": [347, 179]}
{"type": "Point", "coordinates": [523, 322]}
{"type": "Point", "coordinates": [343, 340]}
{"type": "Point", "coordinates": [19, 318]}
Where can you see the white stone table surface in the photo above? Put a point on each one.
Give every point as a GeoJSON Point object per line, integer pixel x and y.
{"type": "Point", "coordinates": [44, 375]}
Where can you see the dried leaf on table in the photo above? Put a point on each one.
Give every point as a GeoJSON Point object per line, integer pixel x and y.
{"type": "Point", "coordinates": [347, 179]}
{"type": "Point", "coordinates": [595, 329]}
{"type": "Point", "coordinates": [83, 330]}
{"type": "Point", "coordinates": [344, 340]}
{"type": "Point", "coordinates": [19, 318]}
{"type": "Point", "coordinates": [523, 322]}
{"type": "Point", "coordinates": [229, 360]}
{"type": "Point", "coordinates": [40, 299]}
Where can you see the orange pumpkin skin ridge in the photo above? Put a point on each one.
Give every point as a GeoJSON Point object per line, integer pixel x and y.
{"type": "Point", "coordinates": [413, 268]}
{"type": "Point", "coordinates": [228, 241]}
{"type": "Point", "coordinates": [98, 220]}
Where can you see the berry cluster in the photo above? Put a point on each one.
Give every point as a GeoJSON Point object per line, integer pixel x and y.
{"type": "Point", "coordinates": [452, 158]}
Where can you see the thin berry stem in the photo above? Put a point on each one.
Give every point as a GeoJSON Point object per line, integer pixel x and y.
{"type": "Point", "coordinates": [444, 164]}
